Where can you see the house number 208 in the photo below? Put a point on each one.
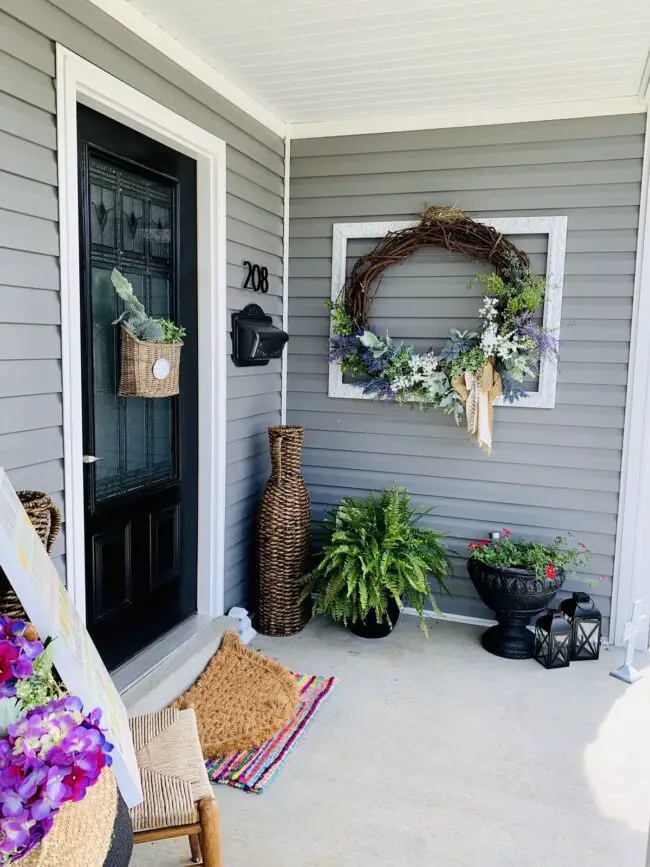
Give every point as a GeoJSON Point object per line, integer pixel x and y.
{"type": "Point", "coordinates": [257, 278]}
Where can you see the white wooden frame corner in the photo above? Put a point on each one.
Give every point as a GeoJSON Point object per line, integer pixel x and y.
{"type": "Point", "coordinates": [554, 227]}
{"type": "Point", "coordinates": [77, 80]}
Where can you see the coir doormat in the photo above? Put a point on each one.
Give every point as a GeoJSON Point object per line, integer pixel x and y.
{"type": "Point", "coordinates": [253, 770]}
{"type": "Point", "coordinates": [241, 699]}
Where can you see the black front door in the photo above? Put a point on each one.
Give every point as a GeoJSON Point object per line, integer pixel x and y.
{"type": "Point", "coordinates": [137, 205]}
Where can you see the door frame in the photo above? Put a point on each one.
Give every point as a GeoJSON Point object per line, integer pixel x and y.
{"type": "Point", "coordinates": [77, 80]}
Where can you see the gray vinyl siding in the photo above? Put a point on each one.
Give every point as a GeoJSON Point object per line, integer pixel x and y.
{"type": "Point", "coordinates": [552, 470]}
{"type": "Point", "coordinates": [31, 438]}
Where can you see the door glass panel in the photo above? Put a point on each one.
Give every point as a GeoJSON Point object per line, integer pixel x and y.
{"type": "Point", "coordinates": [131, 227]}
{"type": "Point", "coordinates": [102, 215]}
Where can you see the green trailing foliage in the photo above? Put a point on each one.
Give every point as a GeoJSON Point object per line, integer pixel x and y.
{"type": "Point", "coordinates": [172, 333]}
{"type": "Point", "coordinates": [42, 686]}
{"type": "Point", "coordinates": [135, 317]}
{"type": "Point", "coordinates": [544, 559]}
{"type": "Point", "coordinates": [374, 551]}
{"type": "Point", "coordinates": [520, 292]}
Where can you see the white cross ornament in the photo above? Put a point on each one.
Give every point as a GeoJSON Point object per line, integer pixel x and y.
{"type": "Point", "coordinates": [627, 672]}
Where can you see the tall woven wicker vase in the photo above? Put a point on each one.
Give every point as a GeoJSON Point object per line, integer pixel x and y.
{"type": "Point", "coordinates": [283, 537]}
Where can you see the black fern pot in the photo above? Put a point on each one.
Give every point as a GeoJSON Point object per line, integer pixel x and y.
{"type": "Point", "coordinates": [515, 596]}
{"type": "Point", "coordinates": [373, 628]}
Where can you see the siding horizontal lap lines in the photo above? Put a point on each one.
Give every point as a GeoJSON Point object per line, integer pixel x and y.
{"type": "Point", "coordinates": [552, 470]}
{"type": "Point", "coordinates": [30, 375]}
{"type": "Point", "coordinates": [31, 437]}
{"type": "Point", "coordinates": [519, 199]}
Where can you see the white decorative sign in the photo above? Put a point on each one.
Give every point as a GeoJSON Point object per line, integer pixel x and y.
{"type": "Point", "coordinates": [161, 368]}
{"type": "Point", "coordinates": [554, 227]}
{"type": "Point", "coordinates": [33, 576]}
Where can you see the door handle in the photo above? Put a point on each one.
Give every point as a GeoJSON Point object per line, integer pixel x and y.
{"type": "Point", "coordinates": [91, 459]}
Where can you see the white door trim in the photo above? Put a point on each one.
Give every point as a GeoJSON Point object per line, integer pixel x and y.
{"type": "Point", "coordinates": [632, 564]}
{"type": "Point", "coordinates": [80, 81]}
{"type": "Point", "coordinates": [285, 279]}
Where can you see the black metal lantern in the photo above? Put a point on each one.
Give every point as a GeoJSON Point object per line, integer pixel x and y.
{"type": "Point", "coordinates": [553, 640]}
{"type": "Point", "coordinates": [586, 626]}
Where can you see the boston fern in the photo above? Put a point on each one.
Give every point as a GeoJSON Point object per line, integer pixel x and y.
{"type": "Point", "coordinates": [374, 552]}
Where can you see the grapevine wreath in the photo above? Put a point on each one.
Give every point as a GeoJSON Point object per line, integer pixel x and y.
{"type": "Point", "coordinates": [473, 368]}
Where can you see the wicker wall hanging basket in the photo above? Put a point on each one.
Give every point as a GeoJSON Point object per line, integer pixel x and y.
{"type": "Point", "coordinates": [283, 537]}
{"type": "Point", "coordinates": [46, 519]}
{"type": "Point", "coordinates": [148, 369]}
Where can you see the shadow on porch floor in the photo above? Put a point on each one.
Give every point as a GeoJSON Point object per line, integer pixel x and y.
{"type": "Point", "coordinates": [431, 751]}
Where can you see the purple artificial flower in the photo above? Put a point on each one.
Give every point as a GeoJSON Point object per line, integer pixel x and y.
{"type": "Point", "coordinates": [16, 655]}
{"type": "Point", "coordinates": [12, 803]}
{"type": "Point", "coordinates": [14, 833]}
{"type": "Point", "coordinates": [546, 343]}
{"type": "Point", "coordinates": [51, 756]}
{"type": "Point", "coordinates": [9, 655]}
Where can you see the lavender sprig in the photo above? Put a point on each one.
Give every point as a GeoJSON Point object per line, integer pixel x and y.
{"type": "Point", "coordinates": [379, 388]}
{"type": "Point", "coordinates": [512, 390]}
{"type": "Point", "coordinates": [546, 343]}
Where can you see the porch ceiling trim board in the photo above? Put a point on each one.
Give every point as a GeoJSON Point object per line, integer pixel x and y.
{"type": "Point", "coordinates": [468, 117]}
{"type": "Point", "coordinates": [644, 89]}
{"type": "Point", "coordinates": [79, 80]}
{"type": "Point", "coordinates": [632, 563]}
{"type": "Point", "coordinates": [150, 32]}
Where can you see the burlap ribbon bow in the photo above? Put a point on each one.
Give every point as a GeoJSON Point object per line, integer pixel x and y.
{"type": "Point", "coordinates": [478, 392]}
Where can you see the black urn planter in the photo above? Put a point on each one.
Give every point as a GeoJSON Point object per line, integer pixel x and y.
{"type": "Point", "coordinates": [373, 628]}
{"type": "Point", "coordinates": [515, 596]}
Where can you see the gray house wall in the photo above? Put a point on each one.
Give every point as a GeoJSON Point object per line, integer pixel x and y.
{"type": "Point", "coordinates": [31, 436]}
{"type": "Point", "coordinates": [552, 470]}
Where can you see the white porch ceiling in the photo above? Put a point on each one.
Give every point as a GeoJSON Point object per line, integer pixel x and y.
{"type": "Point", "coordinates": [332, 60]}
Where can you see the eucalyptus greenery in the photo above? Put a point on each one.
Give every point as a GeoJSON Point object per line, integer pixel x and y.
{"type": "Point", "coordinates": [135, 317]}
{"type": "Point", "coordinates": [373, 552]}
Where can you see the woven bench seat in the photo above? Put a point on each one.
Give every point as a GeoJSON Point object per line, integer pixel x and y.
{"type": "Point", "coordinates": [178, 798]}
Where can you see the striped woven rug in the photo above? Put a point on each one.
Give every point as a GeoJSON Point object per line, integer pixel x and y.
{"type": "Point", "coordinates": [253, 770]}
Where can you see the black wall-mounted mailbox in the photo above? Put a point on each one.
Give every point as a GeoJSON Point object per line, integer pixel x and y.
{"type": "Point", "coordinates": [255, 339]}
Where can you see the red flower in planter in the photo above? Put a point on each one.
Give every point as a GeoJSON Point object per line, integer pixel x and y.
{"type": "Point", "coordinates": [507, 532]}
{"type": "Point", "coordinates": [551, 571]}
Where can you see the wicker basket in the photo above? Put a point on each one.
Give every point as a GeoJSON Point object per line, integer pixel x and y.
{"type": "Point", "coordinates": [93, 832]}
{"type": "Point", "coordinates": [46, 518]}
{"type": "Point", "coordinates": [139, 373]}
{"type": "Point", "coordinates": [283, 538]}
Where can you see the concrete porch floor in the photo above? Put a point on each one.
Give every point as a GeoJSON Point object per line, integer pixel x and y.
{"type": "Point", "coordinates": [431, 751]}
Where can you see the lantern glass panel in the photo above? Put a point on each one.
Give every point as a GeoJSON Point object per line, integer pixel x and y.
{"type": "Point", "coordinates": [553, 641]}
{"type": "Point", "coordinates": [586, 639]}
{"type": "Point", "coordinates": [541, 644]}
{"type": "Point", "coordinates": [586, 625]}
{"type": "Point", "coordinates": [560, 650]}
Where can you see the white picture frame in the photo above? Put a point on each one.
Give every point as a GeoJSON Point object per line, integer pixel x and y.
{"type": "Point", "coordinates": [556, 230]}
